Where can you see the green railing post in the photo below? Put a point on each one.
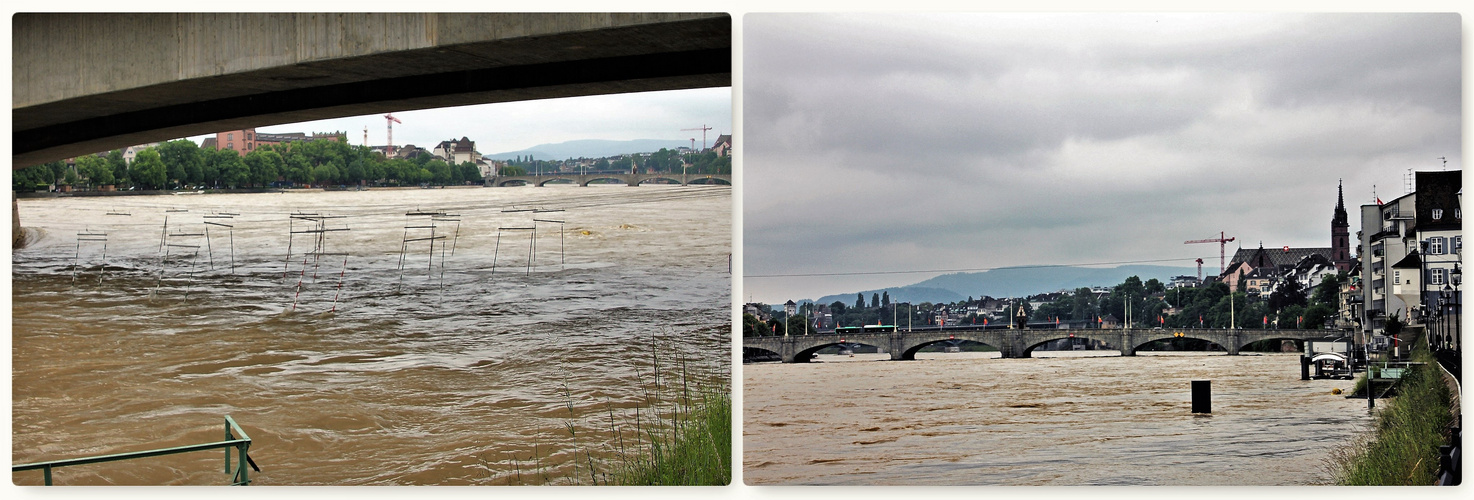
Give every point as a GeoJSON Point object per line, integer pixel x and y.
{"type": "Point", "coordinates": [243, 443]}
{"type": "Point", "coordinates": [227, 450]}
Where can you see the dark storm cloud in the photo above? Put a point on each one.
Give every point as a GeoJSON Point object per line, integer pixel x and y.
{"type": "Point", "coordinates": [892, 141]}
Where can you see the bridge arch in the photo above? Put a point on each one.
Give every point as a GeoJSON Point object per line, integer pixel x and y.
{"type": "Point", "coordinates": [759, 354]}
{"type": "Point", "coordinates": [910, 354]}
{"type": "Point", "coordinates": [712, 181]}
{"type": "Point", "coordinates": [513, 182]}
{"type": "Point", "coordinates": [605, 180]}
{"type": "Point", "coordinates": [556, 180]}
{"type": "Point", "coordinates": [1039, 341]}
{"type": "Point", "coordinates": [918, 341]}
{"type": "Point", "coordinates": [806, 354]}
{"type": "Point", "coordinates": [665, 178]}
{"type": "Point", "coordinates": [1215, 342]}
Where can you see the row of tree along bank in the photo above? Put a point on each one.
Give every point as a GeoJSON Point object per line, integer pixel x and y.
{"type": "Point", "coordinates": [1149, 304]}
{"type": "Point", "coordinates": [182, 163]}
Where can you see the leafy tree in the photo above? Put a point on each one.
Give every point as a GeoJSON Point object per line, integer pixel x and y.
{"type": "Point", "coordinates": [837, 308]}
{"type": "Point", "coordinates": [184, 160]}
{"type": "Point", "coordinates": [753, 327]}
{"type": "Point", "coordinates": [859, 301]}
{"type": "Point", "coordinates": [1082, 304]}
{"type": "Point", "coordinates": [874, 300]}
{"type": "Point", "coordinates": [1290, 292]}
{"type": "Point", "coordinates": [148, 170]}
{"type": "Point", "coordinates": [797, 324]}
{"type": "Point", "coordinates": [296, 169]}
{"type": "Point", "coordinates": [90, 165]}
{"type": "Point", "coordinates": [471, 173]}
{"type": "Point", "coordinates": [118, 165]}
{"type": "Point", "coordinates": [439, 172]}
{"type": "Point", "coordinates": [325, 174]}
{"type": "Point", "coordinates": [1329, 289]}
{"type": "Point", "coordinates": [264, 165]}
{"type": "Point", "coordinates": [1153, 286]}
{"type": "Point", "coordinates": [511, 170]}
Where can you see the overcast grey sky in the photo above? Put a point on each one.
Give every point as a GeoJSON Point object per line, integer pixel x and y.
{"type": "Point", "coordinates": [514, 126]}
{"type": "Point", "coordinates": [886, 142]}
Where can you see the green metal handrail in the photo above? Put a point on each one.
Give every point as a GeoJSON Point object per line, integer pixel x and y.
{"type": "Point", "coordinates": [242, 444]}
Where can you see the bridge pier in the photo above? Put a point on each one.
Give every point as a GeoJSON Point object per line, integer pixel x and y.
{"type": "Point", "coordinates": [14, 221]}
{"type": "Point", "coordinates": [1128, 343]}
{"type": "Point", "coordinates": [896, 341]}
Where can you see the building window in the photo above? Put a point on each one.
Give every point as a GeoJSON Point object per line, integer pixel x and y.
{"type": "Point", "coordinates": [230, 137]}
{"type": "Point", "coordinates": [229, 145]}
{"type": "Point", "coordinates": [1435, 276]}
{"type": "Point", "coordinates": [1458, 244]}
{"type": "Point", "coordinates": [1437, 213]}
{"type": "Point", "coordinates": [1435, 246]}
{"type": "Point", "coordinates": [1396, 276]}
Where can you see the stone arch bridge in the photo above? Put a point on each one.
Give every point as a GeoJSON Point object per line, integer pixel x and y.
{"type": "Point", "coordinates": [627, 179]}
{"type": "Point", "coordinates": [1012, 343]}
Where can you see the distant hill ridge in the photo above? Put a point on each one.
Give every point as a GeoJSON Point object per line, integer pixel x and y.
{"type": "Point", "coordinates": [1014, 282]}
{"type": "Point", "coordinates": [590, 148]}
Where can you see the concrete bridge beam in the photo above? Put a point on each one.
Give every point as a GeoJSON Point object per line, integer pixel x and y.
{"type": "Point", "coordinates": [84, 82]}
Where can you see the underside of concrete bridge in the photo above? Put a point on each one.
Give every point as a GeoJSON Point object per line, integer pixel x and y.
{"type": "Point", "coordinates": [85, 83]}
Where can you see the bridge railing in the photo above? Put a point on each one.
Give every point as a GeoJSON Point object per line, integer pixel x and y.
{"type": "Point", "coordinates": [241, 444]}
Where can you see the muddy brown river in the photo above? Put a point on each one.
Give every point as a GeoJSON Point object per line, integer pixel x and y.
{"type": "Point", "coordinates": [973, 419]}
{"type": "Point", "coordinates": [485, 359]}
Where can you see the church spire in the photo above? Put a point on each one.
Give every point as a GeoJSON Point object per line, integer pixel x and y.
{"type": "Point", "coordinates": [1340, 215]}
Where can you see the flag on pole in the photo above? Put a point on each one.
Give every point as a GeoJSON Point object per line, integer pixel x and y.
{"type": "Point", "coordinates": [985, 321]}
{"type": "Point", "coordinates": [1298, 320]}
{"type": "Point", "coordinates": [1266, 320]}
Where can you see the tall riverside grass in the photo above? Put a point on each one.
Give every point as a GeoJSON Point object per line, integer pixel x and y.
{"type": "Point", "coordinates": [679, 433]}
{"type": "Point", "coordinates": [694, 448]}
{"type": "Point", "coordinates": [1403, 446]}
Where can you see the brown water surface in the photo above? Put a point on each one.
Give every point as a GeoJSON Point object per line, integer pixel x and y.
{"type": "Point", "coordinates": [443, 373]}
{"type": "Point", "coordinates": [974, 419]}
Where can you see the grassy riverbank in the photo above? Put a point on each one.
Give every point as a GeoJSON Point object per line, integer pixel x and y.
{"type": "Point", "coordinates": [680, 434]}
{"type": "Point", "coordinates": [1402, 449]}
{"type": "Point", "coordinates": [695, 450]}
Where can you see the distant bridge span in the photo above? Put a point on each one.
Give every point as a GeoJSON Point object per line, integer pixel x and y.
{"type": "Point", "coordinates": [1012, 343]}
{"type": "Point", "coordinates": [627, 179]}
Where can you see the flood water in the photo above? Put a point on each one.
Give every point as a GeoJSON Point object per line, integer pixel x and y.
{"type": "Point", "coordinates": [459, 369]}
{"type": "Point", "coordinates": [975, 419]}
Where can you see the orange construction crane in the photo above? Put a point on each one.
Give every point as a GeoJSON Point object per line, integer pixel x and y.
{"type": "Point", "coordinates": [1222, 243]}
{"type": "Point", "coordinates": [389, 151]}
{"type": "Point", "coordinates": [703, 130]}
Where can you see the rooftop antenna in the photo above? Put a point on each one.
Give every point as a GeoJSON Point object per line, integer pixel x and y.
{"type": "Point", "coordinates": [1445, 162]}
{"type": "Point", "coordinates": [1407, 182]}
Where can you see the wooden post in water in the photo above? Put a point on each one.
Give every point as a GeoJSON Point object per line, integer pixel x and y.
{"type": "Point", "coordinates": [1202, 396]}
